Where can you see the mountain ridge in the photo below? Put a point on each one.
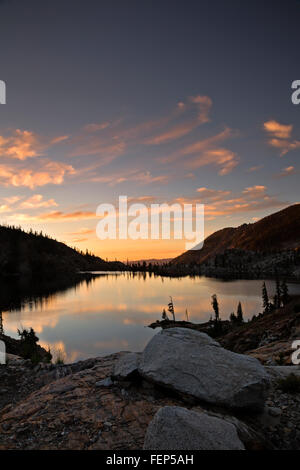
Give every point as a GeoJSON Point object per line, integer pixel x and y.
{"type": "Point", "coordinates": [37, 255]}
{"type": "Point", "coordinates": [276, 232]}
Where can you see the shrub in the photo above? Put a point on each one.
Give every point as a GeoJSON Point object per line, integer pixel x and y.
{"type": "Point", "coordinates": [30, 349]}
{"type": "Point", "coordinates": [291, 384]}
{"type": "Point", "coordinates": [280, 360]}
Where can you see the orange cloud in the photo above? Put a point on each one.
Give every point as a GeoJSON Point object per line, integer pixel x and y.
{"type": "Point", "coordinates": [141, 177]}
{"type": "Point", "coordinates": [255, 191]}
{"type": "Point", "coordinates": [253, 198]}
{"type": "Point", "coordinates": [212, 194]}
{"type": "Point", "coordinates": [36, 201]}
{"type": "Point", "coordinates": [47, 172]}
{"type": "Point", "coordinates": [280, 136]}
{"type": "Point", "coordinates": [83, 231]}
{"type": "Point", "coordinates": [23, 144]}
{"type": "Point", "coordinates": [58, 140]}
{"type": "Point", "coordinates": [284, 145]}
{"type": "Point", "coordinates": [288, 171]}
{"type": "Point", "coordinates": [223, 158]}
{"type": "Point", "coordinates": [282, 131]}
{"type": "Point", "coordinates": [76, 215]}
{"type": "Point", "coordinates": [203, 105]}
{"type": "Point", "coordinates": [54, 216]}
{"type": "Point", "coordinates": [254, 168]}
{"type": "Point", "coordinates": [207, 152]}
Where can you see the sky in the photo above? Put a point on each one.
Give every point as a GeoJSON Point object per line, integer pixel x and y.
{"type": "Point", "coordinates": [164, 102]}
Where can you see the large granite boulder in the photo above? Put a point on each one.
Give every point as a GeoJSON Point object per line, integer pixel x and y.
{"type": "Point", "coordinates": [176, 428]}
{"type": "Point", "coordinates": [127, 366]}
{"type": "Point", "coordinates": [193, 364]}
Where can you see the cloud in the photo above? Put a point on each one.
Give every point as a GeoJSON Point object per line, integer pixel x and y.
{"type": "Point", "coordinates": [222, 203]}
{"type": "Point", "coordinates": [59, 215]}
{"type": "Point", "coordinates": [46, 172]}
{"type": "Point", "coordinates": [80, 235]}
{"type": "Point", "coordinates": [280, 136]}
{"type": "Point", "coordinates": [202, 104]}
{"type": "Point", "coordinates": [93, 145]}
{"type": "Point", "coordinates": [36, 201]}
{"type": "Point", "coordinates": [96, 127]}
{"type": "Point", "coordinates": [83, 231]}
{"type": "Point", "coordinates": [254, 168]}
{"type": "Point", "coordinates": [255, 191]}
{"type": "Point", "coordinates": [205, 144]}
{"type": "Point", "coordinates": [207, 152]}
{"type": "Point", "coordinates": [12, 199]}
{"type": "Point", "coordinates": [54, 216]}
{"type": "Point", "coordinates": [140, 177]}
{"type": "Point", "coordinates": [282, 131]}
{"type": "Point", "coordinates": [110, 140]}
{"type": "Point", "coordinates": [225, 159]}
{"type": "Point", "coordinates": [285, 146]}
{"type": "Point", "coordinates": [288, 171]}
{"type": "Point", "coordinates": [59, 139]}
{"type": "Point", "coordinates": [23, 144]}
{"type": "Point", "coordinates": [207, 194]}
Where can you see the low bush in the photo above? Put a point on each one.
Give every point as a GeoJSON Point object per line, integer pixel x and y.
{"type": "Point", "coordinates": [291, 384]}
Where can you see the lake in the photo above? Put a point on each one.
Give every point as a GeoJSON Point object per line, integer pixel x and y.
{"type": "Point", "coordinates": [109, 313]}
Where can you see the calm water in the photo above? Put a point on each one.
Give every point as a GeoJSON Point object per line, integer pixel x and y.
{"type": "Point", "coordinates": [109, 313]}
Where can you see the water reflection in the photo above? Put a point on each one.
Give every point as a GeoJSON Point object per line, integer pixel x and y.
{"type": "Point", "coordinates": [108, 313]}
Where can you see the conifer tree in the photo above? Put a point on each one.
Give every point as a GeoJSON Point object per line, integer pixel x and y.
{"type": "Point", "coordinates": [265, 298]}
{"type": "Point", "coordinates": [277, 297]}
{"type": "Point", "coordinates": [284, 290]}
{"type": "Point", "coordinates": [164, 315]}
{"type": "Point", "coordinates": [215, 306]}
{"type": "Point", "coordinates": [239, 313]}
{"type": "Point", "coordinates": [232, 318]}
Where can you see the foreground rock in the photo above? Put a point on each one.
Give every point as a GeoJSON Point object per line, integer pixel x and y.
{"type": "Point", "coordinates": [176, 428]}
{"type": "Point", "coordinates": [78, 406]}
{"type": "Point", "coordinates": [127, 366]}
{"type": "Point", "coordinates": [193, 364]}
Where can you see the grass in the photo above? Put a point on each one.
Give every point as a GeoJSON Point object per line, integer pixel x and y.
{"type": "Point", "coordinates": [60, 357]}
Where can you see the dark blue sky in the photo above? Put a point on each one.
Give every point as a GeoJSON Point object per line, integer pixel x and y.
{"type": "Point", "coordinates": [123, 66]}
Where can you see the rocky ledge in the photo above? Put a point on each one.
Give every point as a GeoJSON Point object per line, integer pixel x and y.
{"type": "Point", "coordinates": [178, 388]}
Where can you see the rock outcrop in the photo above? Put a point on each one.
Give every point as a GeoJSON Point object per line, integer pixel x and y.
{"type": "Point", "coordinates": [193, 364]}
{"type": "Point", "coordinates": [176, 428]}
{"type": "Point", "coordinates": [127, 366]}
{"type": "Point", "coordinates": [79, 406]}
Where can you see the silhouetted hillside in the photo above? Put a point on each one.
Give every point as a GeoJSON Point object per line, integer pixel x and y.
{"type": "Point", "coordinates": [33, 254]}
{"type": "Point", "coordinates": [276, 232]}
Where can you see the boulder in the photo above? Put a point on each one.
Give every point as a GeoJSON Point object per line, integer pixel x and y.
{"type": "Point", "coordinates": [127, 366]}
{"type": "Point", "coordinates": [176, 428]}
{"type": "Point", "coordinates": [193, 364]}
